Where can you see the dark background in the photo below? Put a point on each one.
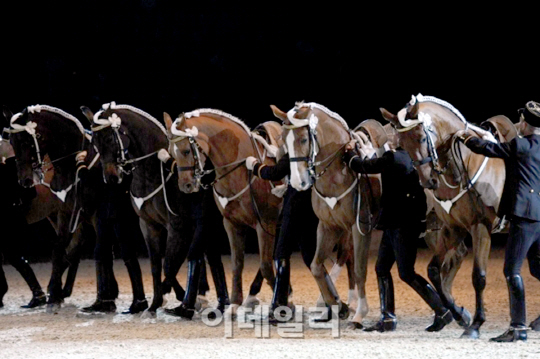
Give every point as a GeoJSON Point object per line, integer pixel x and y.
{"type": "Point", "coordinates": [240, 57]}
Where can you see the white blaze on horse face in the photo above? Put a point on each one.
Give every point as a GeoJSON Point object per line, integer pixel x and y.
{"type": "Point", "coordinates": [298, 182]}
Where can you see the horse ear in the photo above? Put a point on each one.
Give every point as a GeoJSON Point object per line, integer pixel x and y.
{"type": "Point", "coordinates": [7, 114]}
{"type": "Point", "coordinates": [412, 110]}
{"type": "Point", "coordinates": [390, 117]}
{"type": "Point", "coordinates": [278, 113]}
{"type": "Point", "coordinates": [168, 121]}
{"type": "Point", "coordinates": [88, 114]}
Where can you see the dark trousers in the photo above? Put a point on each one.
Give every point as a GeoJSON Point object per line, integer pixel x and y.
{"type": "Point", "coordinates": [398, 245]}
{"type": "Point", "coordinates": [523, 242]}
{"type": "Point", "coordinates": [297, 225]}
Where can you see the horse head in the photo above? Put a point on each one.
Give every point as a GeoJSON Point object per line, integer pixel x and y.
{"type": "Point", "coordinates": [310, 131]}
{"type": "Point", "coordinates": [423, 128]}
{"type": "Point", "coordinates": [190, 150]}
{"type": "Point", "coordinates": [111, 141]}
{"type": "Point", "coordinates": [27, 139]}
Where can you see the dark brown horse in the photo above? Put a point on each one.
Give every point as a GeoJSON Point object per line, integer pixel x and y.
{"type": "Point", "coordinates": [45, 205]}
{"type": "Point", "coordinates": [41, 131]}
{"type": "Point", "coordinates": [245, 202]}
{"type": "Point", "coordinates": [346, 204]}
{"type": "Point", "coordinates": [465, 189]}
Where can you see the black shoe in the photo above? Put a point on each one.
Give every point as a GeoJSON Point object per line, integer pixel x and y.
{"type": "Point", "coordinates": [36, 301]}
{"type": "Point", "coordinates": [181, 311]}
{"type": "Point", "coordinates": [101, 306]}
{"type": "Point", "coordinates": [138, 305]}
{"type": "Point", "coordinates": [440, 322]}
{"type": "Point", "coordinates": [387, 324]}
{"type": "Point", "coordinates": [535, 325]}
{"type": "Point", "coordinates": [511, 335]}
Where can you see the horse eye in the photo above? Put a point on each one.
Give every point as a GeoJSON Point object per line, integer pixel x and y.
{"type": "Point", "coordinates": [423, 140]}
{"type": "Point", "coordinates": [185, 152]}
{"type": "Point", "coordinates": [303, 141]}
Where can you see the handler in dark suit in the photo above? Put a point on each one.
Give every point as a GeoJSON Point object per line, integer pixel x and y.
{"type": "Point", "coordinates": [403, 220]}
{"type": "Point", "coordinates": [520, 203]}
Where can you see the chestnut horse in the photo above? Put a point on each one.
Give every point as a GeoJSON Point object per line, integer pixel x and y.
{"type": "Point", "coordinates": [245, 202]}
{"type": "Point", "coordinates": [465, 189]}
{"type": "Point", "coordinates": [346, 204]}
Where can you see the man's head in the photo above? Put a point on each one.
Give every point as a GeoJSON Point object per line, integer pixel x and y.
{"type": "Point", "coordinates": [529, 119]}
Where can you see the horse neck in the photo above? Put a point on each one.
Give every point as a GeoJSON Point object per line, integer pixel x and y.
{"type": "Point", "coordinates": [60, 137]}
{"type": "Point", "coordinates": [332, 137]}
{"type": "Point", "coordinates": [228, 143]}
{"type": "Point", "coordinates": [145, 137]}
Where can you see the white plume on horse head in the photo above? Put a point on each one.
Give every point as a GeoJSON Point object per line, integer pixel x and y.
{"type": "Point", "coordinates": [188, 132]}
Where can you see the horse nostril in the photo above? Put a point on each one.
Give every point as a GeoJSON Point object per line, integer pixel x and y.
{"type": "Point", "coordinates": [188, 187]}
{"type": "Point", "coordinates": [303, 184]}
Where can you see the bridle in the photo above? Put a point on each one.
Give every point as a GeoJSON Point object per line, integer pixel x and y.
{"type": "Point", "coordinates": [198, 165]}
{"type": "Point", "coordinates": [115, 123]}
{"type": "Point", "coordinates": [311, 123]}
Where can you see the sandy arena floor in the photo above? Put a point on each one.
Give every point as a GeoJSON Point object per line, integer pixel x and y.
{"type": "Point", "coordinates": [36, 334]}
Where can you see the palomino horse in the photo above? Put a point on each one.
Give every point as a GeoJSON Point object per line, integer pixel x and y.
{"type": "Point", "coordinates": [41, 131]}
{"type": "Point", "coordinates": [465, 187]}
{"type": "Point", "coordinates": [344, 202]}
{"type": "Point", "coordinates": [244, 202]}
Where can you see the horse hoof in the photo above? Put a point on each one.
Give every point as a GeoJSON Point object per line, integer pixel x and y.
{"type": "Point", "coordinates": [149, 314]}
{"type": "Point", "coordinates": [354, 326]}
{"type": "Point", "coordinates": [251, 302]}
{"type": "Point", "coordinates": [470, 333]}
{"type": "Point", "coordinates": [232, 310]}
{"type": "Point", "coordinates": [465, 319]}
{"type": "Point", "coordinates": [201, 303]}
{"type": "Point", "coordinates": [53, 308]}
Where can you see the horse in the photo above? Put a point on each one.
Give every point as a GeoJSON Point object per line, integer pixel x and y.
{"type": "Point", "coordinates": [40, 131]}
{"type": "Point", "coordinates": [128, 140]}
{"type": "Point", "coordinates": [346, 204]}
{"type": "Point", "coordinates": [465, 190]}
{"type": "Point", "coordinates": [43, 204]}
{"type": "Point", "coordinates": [244, 201]}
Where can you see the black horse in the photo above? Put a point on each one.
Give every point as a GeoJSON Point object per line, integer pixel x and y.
{"type": "Point", "coordinates": [44, 130]}
{"type": "Point", "coordinates": [20, 207]}
{"type": "Point", "coordinates": [128, 140]}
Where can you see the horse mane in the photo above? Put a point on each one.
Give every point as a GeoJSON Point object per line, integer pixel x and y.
{"type": "Point", "coordinates": [234, 119]}
{"type": "Point", "coordinates": [114, 106]}
{"type": "Point", "coordinates": [421, 98]}
{"type": "Point", "coordinates": [39, 108]}
{"type": "Point", "coordinates": [324, 109]}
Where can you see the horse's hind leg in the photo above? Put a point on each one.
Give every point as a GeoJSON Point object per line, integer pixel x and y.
{"type": "Point", "coordinates": [152, 234]}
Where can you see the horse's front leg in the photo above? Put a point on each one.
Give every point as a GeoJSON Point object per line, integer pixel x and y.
{"type": "Point", "coordinates": [362, 243]}
{"type": "Point", "coordinates": [266, 269]}
{"type": "Point", "coordinates": [444, 265]}
{"type": "Point", "coordinates": [59, 264]}
{"type": "Point", "coordinates": [326, 240]}
{"type": "Point", "coordinates": [481, 239]}
{"type": "Point", "coordinates": [237, 241]}
{"type": "Point", "coordinates": [152, 233]}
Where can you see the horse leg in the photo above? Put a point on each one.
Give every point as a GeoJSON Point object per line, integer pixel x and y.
{"type": "Point", "coordinates": [326, 241]}
{"type": "Point", "coordinates": [175, 255]}
{"type": "Point", "coordinates": [266, 247]}
{"type": "Point", "coordinates": [59, 264]}
{"type": "Point", "coordinates": [256, 285]}
{"type": "Point", "coordinates": [237, 243]}
{"type": "Point", "coordinates": [481, 239]}
{"type": "Point", "coordinates": [152, 234]}
{"type": "Point", "coordinates": [443, 268]}
{"type": "Point", "coordinates": [361, 243]}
